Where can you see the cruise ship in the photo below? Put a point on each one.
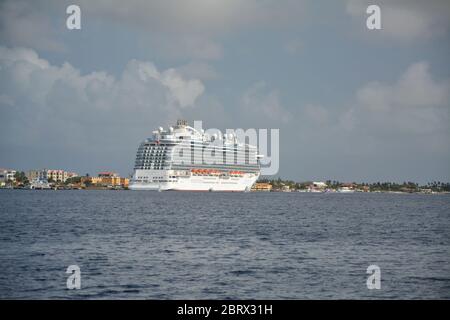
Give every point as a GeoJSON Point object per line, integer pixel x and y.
{"type": "Point", "coordinates": [185, 159]}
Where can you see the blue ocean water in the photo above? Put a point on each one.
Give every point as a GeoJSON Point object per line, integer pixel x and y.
{"type": "Point", "coordinates": [172, 245]}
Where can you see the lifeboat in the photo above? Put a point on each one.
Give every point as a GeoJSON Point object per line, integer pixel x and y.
{"type": "Point", "coordinates": [213, 172]}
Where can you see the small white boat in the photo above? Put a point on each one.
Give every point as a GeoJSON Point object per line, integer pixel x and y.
{"type": "Point", "coordinates": [40, 185]}
{"type": "Point", "coordinates": [345, 190]}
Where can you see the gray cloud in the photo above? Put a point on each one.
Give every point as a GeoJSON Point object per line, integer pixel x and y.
{"type": "Point", "coordinates": [199, 70]}
{"type": "Point", "coordinates": [261, 103]}
{"type": "Point", "coordinates": [185, 46]}
{"type": "Point", "coordinates": [196, 28]}
{"type": "Point", "coordinates": [22, 24]}
{"type": "Point", "coordinates": [201, 17]}
{"type": "Point", "coordinates": [406, 20]}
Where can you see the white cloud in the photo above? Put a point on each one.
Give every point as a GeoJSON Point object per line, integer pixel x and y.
{"type": "Point", "coordinates": [184, 92]}
{"type": "Point", "coordinates": [415, 104]}
{"type": "Point", "coordinates": [36, 79]}
{"type": "Point", "coordinates": [57, 109]}
{"type": "Point", "coordinates": [406, 20]}
{"type": "Point", "coordinates": [390, 130]}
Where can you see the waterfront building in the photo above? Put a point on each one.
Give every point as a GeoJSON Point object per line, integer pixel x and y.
{"type": "Point", "coordinates": [90, 180]}
{"type": "Point", "coordinates": [7, 175]}
{"type": "Point", "coordinates": [262, 186]}
{"type": "Point", "coordinates": [50, 174]}
{"type": "Point", "coordinates": [33, 175]}
{"type": "Point", "coordinates": [112, 179]}
{"type": "Point", "coordinates": [107, 179]}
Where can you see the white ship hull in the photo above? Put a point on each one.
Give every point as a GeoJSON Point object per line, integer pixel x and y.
{"type": "Point", "coordinates": [198, 183]}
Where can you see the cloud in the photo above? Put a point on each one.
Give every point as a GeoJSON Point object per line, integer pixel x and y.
{"type": "Point", "coordinates": [316, 114]}
{"type": "Point", "coordinates": [415, 104]}
{"type": "Point", "coordinates": [195, 28]}
{"type": "Point", "coordinates": [406, 20]}
{"type": "Point", "coordinates": [201, 17]}
{"type": "Point", "coordinates": [388, 130]}
{"type": "Point", "coordinates": [28, 73]}
{"type": "Point", "coordinates": [175, 29]}
{"type": "Point", "coordinates": [22, 24]}
{"type": "Point", "coordinates": [199, 70]}
{"type": "Point", "coordinates": [261, 102]}
{"type": "Point", "coordinates": [405, 118]}
{"type": "Point", "coordinates": [61, 109]}
{"type": "Point", "coordinates": [181, 91]}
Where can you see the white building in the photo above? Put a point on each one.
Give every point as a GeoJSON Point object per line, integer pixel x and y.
{"type": "Point", "coordinates": [46, 174]}
{"type": "Point", "coordinates": [319, 185]}
{"type": "Point", "coordinates": [7, 175]}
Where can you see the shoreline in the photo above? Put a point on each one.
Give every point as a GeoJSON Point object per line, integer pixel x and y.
{"type": "Point", "coordinates": [252, 191]}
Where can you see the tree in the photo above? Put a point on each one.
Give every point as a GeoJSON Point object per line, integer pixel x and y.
{"type": "Point", "coordinates": [73, 180]}
{"type": "Point", "coordinates": [21, 177]}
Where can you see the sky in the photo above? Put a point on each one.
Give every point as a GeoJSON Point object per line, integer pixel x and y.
{"type": "Point", "coordinates": [351, 104]}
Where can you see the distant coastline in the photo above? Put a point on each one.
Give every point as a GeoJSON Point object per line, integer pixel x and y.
{"type": "Point", "coordinates": [50, 179]}
{"type": "Point", "coordinates": [63, 180]}
{"type": "Point", "coordinates": [280, 185]}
